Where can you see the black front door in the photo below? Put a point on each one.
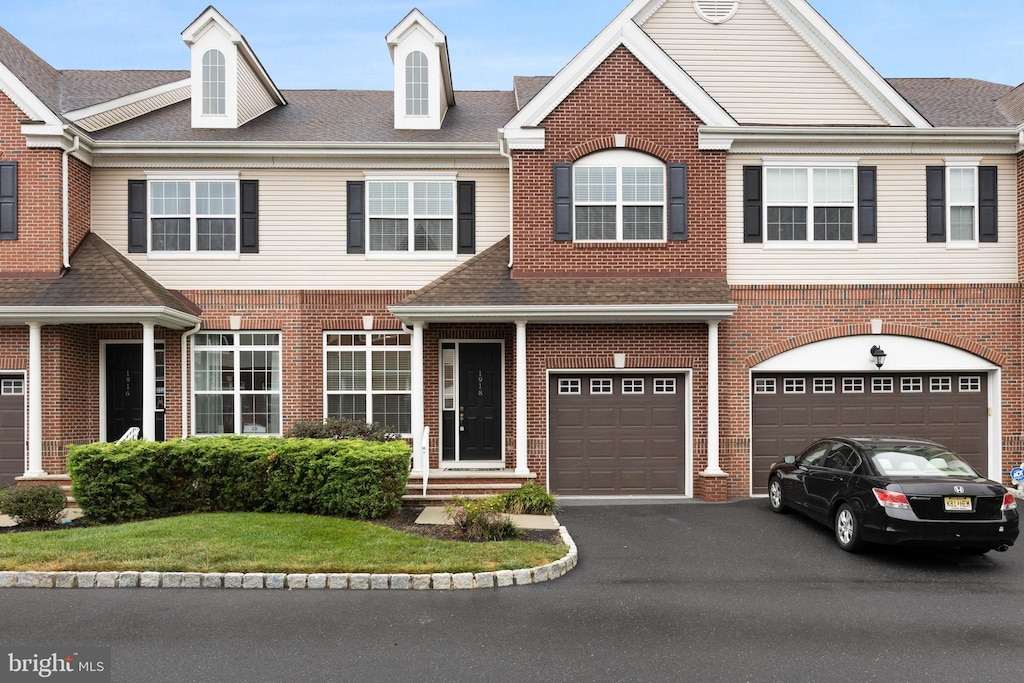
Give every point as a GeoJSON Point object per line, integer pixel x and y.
{"type": "Point", "coordinates": [124, 389]}
{"type": "Point", "coordinates": [480, 402]}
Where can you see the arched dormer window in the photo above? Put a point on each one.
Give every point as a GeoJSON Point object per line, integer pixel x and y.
{"type": "Point", "coordinates": [417, 79]}
{"type": "Point", "coordinates": [213, 82]}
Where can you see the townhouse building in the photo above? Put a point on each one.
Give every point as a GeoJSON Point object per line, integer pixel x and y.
{"type": "Point", "coordinates": [713, 235]}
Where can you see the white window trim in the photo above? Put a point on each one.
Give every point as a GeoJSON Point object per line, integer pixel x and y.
{"type": "Point", "coordinates": [960, 163]}
{"type": "Point", "coordinates": [367, 348]}
{"type": "Point", "coordinates": [809, 164]}
{"type": "Point", "coordinates": [411, 252]}
{"type": "Point", "coordinates": [193, 178]}
{"type": "Point", "coordinates": [236, 389]}
{"type": "Point", "coordinates": [620, 158]}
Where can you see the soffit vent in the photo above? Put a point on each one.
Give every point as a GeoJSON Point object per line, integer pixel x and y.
{"type": "Point", "coordinates": [716, 11]}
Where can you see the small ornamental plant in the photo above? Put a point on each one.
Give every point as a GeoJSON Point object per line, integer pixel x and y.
{"type": "Point", "coordinates": [480, 520]}
{"type": "Point", "coordinates": [34, 505]}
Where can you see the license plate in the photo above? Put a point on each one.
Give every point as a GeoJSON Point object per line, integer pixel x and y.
{"type": "Point", "coordinates": [958, 504]}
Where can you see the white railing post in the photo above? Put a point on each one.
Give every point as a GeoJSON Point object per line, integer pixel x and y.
{"type": "Point", "coordinates": [425, 457]}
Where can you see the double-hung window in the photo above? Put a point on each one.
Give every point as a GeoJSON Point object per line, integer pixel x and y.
{"type": "Point", "coordinates": [805, 204]}
{"type": "Point", "coordinates": [411, 215]}
{"type": "Point", "coordinates": [368, 376]}
{"type": "Point", "coordinates": [194, 215]}
{"type": "Point", "coordinates": [962, 183]}
{"type": "Point", "coordinates": [619, 195]}
{"type": "Point", "coordinates": [236, 382]}
{"type": "Point", "coordinates": [962, 202]}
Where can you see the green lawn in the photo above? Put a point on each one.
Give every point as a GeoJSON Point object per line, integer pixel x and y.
{"type": "Point", "coordinates": [260, 542]}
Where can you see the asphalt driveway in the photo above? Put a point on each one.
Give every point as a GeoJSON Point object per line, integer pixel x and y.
{"type": "Point", "coordinates": [678, 592]}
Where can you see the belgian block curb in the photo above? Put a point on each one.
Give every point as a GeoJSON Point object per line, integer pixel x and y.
{"type": "Point", "coordinates": [135, 579]}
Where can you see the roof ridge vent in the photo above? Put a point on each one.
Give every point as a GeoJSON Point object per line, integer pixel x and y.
{"type": "Point", "coordinates": [716, 11]}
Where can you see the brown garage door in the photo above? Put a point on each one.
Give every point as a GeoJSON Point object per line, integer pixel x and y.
{"type": "Point", "coordinates": [791, 410]}
{"type": "Point", "coordinates": [12, 428]}
{"type": "Point", "coordinates": [617, 434]}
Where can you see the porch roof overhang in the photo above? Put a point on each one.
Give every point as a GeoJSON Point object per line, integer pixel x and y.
{"type": "Point", "coordinates": [484, 289]}
{"type": "Point", "coordinates": [97, 315]}
{"type": "Point", "coordinates": [652, 313]}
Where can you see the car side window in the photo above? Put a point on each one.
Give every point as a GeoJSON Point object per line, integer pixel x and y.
{"type": "Point", "coordinates": [842, 458]}
{"type": "Point", "coordinates": [815, 456]}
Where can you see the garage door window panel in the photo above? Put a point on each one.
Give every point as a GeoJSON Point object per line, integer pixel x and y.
{"type": "Point", "coordinates": [633, 386]}
{"type": "Point", "coordinates": [853, 385]}
{"type": "Point", "coordinates": [911, 385]}
{"type": "Point", "coordinates": [882, 385]}
{"type": "Point", "coordinates": [941, 385]}
{"type": "Point", "coordinates": [601, 386]}
{"type": "Point", "coordinates": [970, 385]}
{"type": "Point", "coordinates": [794, 385]}
{"type": "Point", "coordinates": [824, 385]}
{"type": "Point", "coordinates": [764, 385]}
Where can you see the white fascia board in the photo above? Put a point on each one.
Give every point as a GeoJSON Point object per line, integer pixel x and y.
{"type": "Point", "coordinates": [773, 139]}
{"type": "Point", "coordinates": [72, 315]}
{"type": "Point", "coordinates": [552, 314]}
{"type": "Point", "coordinates": [621, 31]}
{"type": "Point", "coordinates": [221, 148]}
{"type": "Point", "coordinates": [85, 112]}
{"type": "Point", "coordinates": [847, 63]}
{"type": "Point", "coordinates": [25, 99]}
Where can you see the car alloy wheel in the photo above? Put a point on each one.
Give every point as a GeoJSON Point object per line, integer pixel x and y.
{"type": "Point", "coordinates": [847, 529]}
{"type": "Point", "coordinates": [775, 495]}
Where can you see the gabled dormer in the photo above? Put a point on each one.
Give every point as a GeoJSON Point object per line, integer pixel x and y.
{"type": "Point", "coordinates": [423, 77]}
{"type": "Point", "coordinates": [229, 85]}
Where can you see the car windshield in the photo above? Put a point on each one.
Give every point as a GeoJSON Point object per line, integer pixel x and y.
{"type": "Point", "coordinates": [921, 461]}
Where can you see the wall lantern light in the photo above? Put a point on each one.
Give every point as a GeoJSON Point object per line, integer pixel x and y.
{"type": "Point", "coordinates": [877, 356]}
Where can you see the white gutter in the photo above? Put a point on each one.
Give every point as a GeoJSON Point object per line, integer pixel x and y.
{"type": "Point", "coordinates": [504, 151]}
{"type": "Point", "coordinates": [56, 315]}
{"type": "Point", "coordinates": [618, 313]}
{"type": "Point", "coordinates": [64, 176]}
{"type": "Point", "coordinates": [901, 139]}
{"type": "Point", "coordinates": [184, 378]}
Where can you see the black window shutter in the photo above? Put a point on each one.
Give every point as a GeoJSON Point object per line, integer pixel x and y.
{"type": "Point", "coordinates": [563, 202]}
{"type": "Point", "coordinates": [466, 192]}
{"type": "Point", "coordinates": [8, 200]}
{"type": "Point", "coordinates": [988, 213]}
{"type": "Point", "coordinates": [138, 231]}
{"type": "Point", "coordinates": [752, 204]}
{"type": "Point", "coordinates": [356, 217]}
{"type": "Point", "coordinates": [935, 181]}
{"type": "Point", "coordinates": [677, 228]}
{"type": "Point", "coordinates": [250, 205]}
{"type": "Point", "coordinates": [867, 204]}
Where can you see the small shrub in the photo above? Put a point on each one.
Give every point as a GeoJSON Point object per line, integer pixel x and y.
{"type": "Point", "coordinates": [481, 520]}
{"type": "Point", "coordinates": [35, 505]}
{"type": "Point", "coordinates": [343, 428]}
{"type": "Point", "coordinates": [529, 499]}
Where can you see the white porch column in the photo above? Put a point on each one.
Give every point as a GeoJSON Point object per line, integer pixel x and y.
{"type": "Point", "coordinates": [521, 430]}
{"type": "Point", "coordinates": [148, 382]}
{"type": "Point", "coordinates": [35, 401]}
{"type": "Point", "coordinates": [713, 468]}
{"type": "Point", "coordinates": [418, 447]}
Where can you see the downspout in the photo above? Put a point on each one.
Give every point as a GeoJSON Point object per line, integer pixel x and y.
{"type": "Point", "coordinates": [184, 378]}
{"type": "Point", "coordinates": [65, 238]}
{"type": "Point", "coordinates": [507, 153]}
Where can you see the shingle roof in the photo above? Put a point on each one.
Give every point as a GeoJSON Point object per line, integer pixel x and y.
{"type": "Point", "coordinates": [485, 281]}
{"type": "Point", "coordinates": [99, 276]}
{"type": "Point", "coordinates": [329, 116]}
{"type": "Point", "coordinates": [527, 87]}
{"type": "Point", "coordinates": [956, 102]}
{"type": "Point", "coordinates": [38, 76]}
{"type": "Point", "coordinates": [80, 88]}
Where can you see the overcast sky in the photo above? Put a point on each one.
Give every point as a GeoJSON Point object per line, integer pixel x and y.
{"type": "Point", "coordinates": [340, 43]}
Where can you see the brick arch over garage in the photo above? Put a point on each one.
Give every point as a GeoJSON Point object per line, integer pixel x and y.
{"type": "Point", "coordinates": [900, 330]}
{"type": "Point", "coordinates": [606, 142]}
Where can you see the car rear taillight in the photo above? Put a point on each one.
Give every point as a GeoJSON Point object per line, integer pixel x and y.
{"type": "Point", "coordinates": [891, 499]}
{"type": "Point", "coordinates": [1009, 502]}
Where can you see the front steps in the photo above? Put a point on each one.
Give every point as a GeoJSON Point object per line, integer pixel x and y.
{"type": "Point", "coordinates": [443, 485]}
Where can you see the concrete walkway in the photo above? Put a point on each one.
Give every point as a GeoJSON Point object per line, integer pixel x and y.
{"type": "Point", "coordinates": [69, 514]}
{"type": "Point", "coordinates": [436, 514]}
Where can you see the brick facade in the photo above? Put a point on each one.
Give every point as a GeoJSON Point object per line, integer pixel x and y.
{"type": "Point", "coordinates": [621, 97]}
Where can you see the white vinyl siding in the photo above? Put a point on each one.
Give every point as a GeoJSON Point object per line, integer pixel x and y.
{"type": "Point", "coordinates": [126, 112]}
{"type": "Point", "coordinates": [901, 254]}
{"type": "Point", "coordinates": [302, 234]}
{"type": "Point", "coordinates": [253, 98]}
{"type": "Point", "coordinates": [757, 67]}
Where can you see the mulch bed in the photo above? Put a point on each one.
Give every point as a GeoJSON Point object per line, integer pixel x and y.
{"type": "Point", "coordinates": [405, 520]}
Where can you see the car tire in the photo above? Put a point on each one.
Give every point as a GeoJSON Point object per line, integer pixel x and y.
{"type": "Point", "coordinates": [775, 499]}
{"type": "Point", "coordinates": [847, 528]}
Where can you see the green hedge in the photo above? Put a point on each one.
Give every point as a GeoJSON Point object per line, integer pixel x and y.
{"type": "Point", "coordinates": [139, 479]}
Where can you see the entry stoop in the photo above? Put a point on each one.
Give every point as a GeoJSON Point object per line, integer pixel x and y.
{"type": "Point", "coordinates": [443, 485]}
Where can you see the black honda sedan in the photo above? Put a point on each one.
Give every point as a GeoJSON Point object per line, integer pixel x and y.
{"type": "Point", "coordinates": [897, 492]}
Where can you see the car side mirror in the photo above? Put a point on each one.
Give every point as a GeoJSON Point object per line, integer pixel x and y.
{"type": "Point", "coordinates": [790, 459]}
